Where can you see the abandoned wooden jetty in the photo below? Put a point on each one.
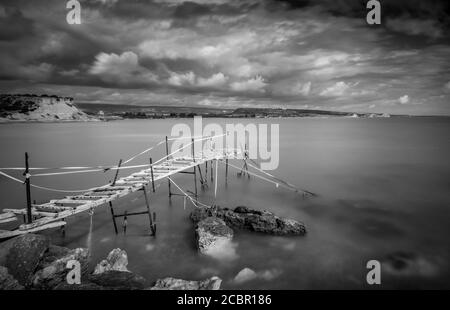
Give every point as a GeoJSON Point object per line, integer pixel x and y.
{"type": "Point", "coordinates": [53, 214]}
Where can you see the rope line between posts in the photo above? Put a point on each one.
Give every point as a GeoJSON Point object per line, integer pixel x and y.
{"type": "Point", "coordinates": [266, 179]}
{"type": "Point", "coordinates": [105, 168]}
{"type": "Point", "coordinates": [99, 168]}
{"type": "Point", "coordinates": [194, 201]}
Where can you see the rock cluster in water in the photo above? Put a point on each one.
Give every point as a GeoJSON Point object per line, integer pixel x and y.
{"type": "Point", "coordinates": [213, 225]}
{"type": "Point", "coordinates": [32, 262]}
{"type": "Point", "coordinates": [253, 220]}
{"type": "Point", "coordinates": [212, 233]}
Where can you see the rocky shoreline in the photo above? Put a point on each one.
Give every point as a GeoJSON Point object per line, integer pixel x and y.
{"type": "Point", "coordinates": [31, 262]}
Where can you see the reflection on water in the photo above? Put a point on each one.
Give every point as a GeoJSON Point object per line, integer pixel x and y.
{"type": "Point", "coordinates": [383, 186]}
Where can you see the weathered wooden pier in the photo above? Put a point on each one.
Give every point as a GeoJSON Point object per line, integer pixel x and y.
{"type": "Point", "coordinates": [53, 214]}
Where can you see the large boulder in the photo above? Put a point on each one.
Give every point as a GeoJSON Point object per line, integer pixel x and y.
{"type": "Point", "coordinates": [212, 233]}
{"type": "Point", "coordinates": [24, 256]}
{"type": "Point", "coordinates": [121, 280]}
{"type": "Point", "coordinates": [253, 220]}
{"type": "Point", "coordinates": [117, 260]}
{"type": "Point", "coordinates": [54, 269]}
{"type": "Point", "coordinates": [179, 284]}
{"type": "Point", "coordinates": [7, 281]}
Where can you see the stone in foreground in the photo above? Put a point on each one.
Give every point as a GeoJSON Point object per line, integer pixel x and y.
{"type": "Point", "coordinates": [7, 281]}
{"type": "Point", "coordinates": [24, 256]}
{"type": "Point", "coordinates": [253, 220]}
{"type": "Point", "coordinates": [212, 233]}
{"type": "Point", "coordinates": [119, 280]}
{"type": "Point", "coordinates": [55, 272]}
{"type": "Point", "coordinates": [179, 284]}
{"type": "Point", "coordinates": [117, 260]}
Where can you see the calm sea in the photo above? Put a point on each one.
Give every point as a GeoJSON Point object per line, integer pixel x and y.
{"type": "Point", "coordinates": [383, 188]}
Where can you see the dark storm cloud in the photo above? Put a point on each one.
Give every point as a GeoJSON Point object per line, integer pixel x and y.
{"type": "Point", "coordinates": [308, 54]}
{"type": "Point", "coordinates": [14, 26]}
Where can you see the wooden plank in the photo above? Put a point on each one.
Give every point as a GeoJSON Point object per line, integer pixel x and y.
{"type": "Point", "coordinates": [111, 188]}
{"type": "Point", "coordinates": [70, 201]}
{"type": "Point", "coordinates": [51, 208]}
{"type": "Point", "coordinates": [42, 227]}
{"type": "Point", "coordinates": [34, 212]}
{"type": "Point", "coordinates": [8, 220]}
{"type": "Point", "coordinates": [134, 183]}
{"type": "Point", "coordinates": [87, 197]}
{"type": "Point", "coordinates": [6, 215]}
{"type": "Point", "coordinates": [106, 193]}
{"type": "Point", "coordinates": [101, 195]}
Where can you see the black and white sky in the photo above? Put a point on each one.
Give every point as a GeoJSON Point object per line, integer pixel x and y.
{"type": "Point", "coordinates": [317, 54]}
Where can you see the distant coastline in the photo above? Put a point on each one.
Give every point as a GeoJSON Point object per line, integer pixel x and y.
{"type": "Point", "coordinates": [24, 108]}
{"type": "Point", "coordinates": [121, 111]}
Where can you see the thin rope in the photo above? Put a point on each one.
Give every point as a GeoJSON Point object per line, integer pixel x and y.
{"type": "Point", "coordinates": [45, 188]}
{"type": "Point", "coordinates": [143, 152]}
{"type": "Point", "coordinates": [11, 177]}
{"type": "Point", "coordinates": [278, 179]}
{"type": "Point", "coordinates": [194, 201]}
{"type": "Point", "coordinates": [93, 170]}
{"type": "Point", "coordinates": [263, 178]}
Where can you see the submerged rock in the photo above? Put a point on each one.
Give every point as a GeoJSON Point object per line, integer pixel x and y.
{"type": "Point", "coordinates": [212, 233]}
{"type": "Point", "coordinates": [7, 281]}
{"type": "Point", "coordinates": [122, 280]}
{"type": "Point", "coordinates": [24, 256]}
{"type": "Point", "coordinates": [212, 283]}
{"type": "Point", "coordinates": [54, 266]}
{"type": "Point", "coordinates": [253, 220]}
{"type": "Point", "coordinates": [117, 260]}
{"type": "Point", "coordinates": [245, 275]}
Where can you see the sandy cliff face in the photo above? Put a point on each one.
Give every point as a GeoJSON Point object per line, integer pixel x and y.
{"type": "Point", "coordinates": [39, 108]}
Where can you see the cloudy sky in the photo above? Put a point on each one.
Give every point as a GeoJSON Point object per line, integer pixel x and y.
{"type": "Point", "coordinates": [232, 53]}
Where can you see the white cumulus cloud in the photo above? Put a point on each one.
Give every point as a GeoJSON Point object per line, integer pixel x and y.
{"type": "Point", "coordinates": [403, 99]}
{"type": "Point", "coordinates": [335, 90]}
{"type": "Point", "coordinates": [256, 84]}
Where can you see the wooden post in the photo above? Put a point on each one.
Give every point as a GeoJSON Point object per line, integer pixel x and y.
{"type": "Point", "coordinates": [117, 172]}
{"type": "Point", "coordinates": [212, 178]}
{"type": "Point", "coordinates": [226, 170]}
{"type": "Point", "coordinates": [195, 171]}
{"type": "Point", "coordinates": [125, 222]}
{"type": "Point", "coordinates": [151, 170]}
{"type": "Point", "coordinates": [113, 217]}
{"type": "Point", "coordinates": [28, 190]}
{"type": "Point", "coordinates": [167, 157]}
{"type": "Point", "coordinates": [148, 210]}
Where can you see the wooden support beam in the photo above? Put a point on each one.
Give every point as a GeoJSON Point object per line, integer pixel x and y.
{"type": "Point", "coordinates": [148, 211]}
{"type": "Point", "coordinates": [28, 190]}
{"type": "Point", "coordinates": [167, 154]}
{"type": "Point", "coordinates": [113, 217]}
{"type": "Point", "coordinates": [152, 174]}
{"type": "Point", "coordinates": [195, 172]}
{"type": "Point", "coordinates": [117, 172]}
{"type": "Point", "coordinates": [226, 170]}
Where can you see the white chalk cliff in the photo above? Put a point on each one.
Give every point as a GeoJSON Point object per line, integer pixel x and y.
{"type": "Point", "coordinates": [39, 108]}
